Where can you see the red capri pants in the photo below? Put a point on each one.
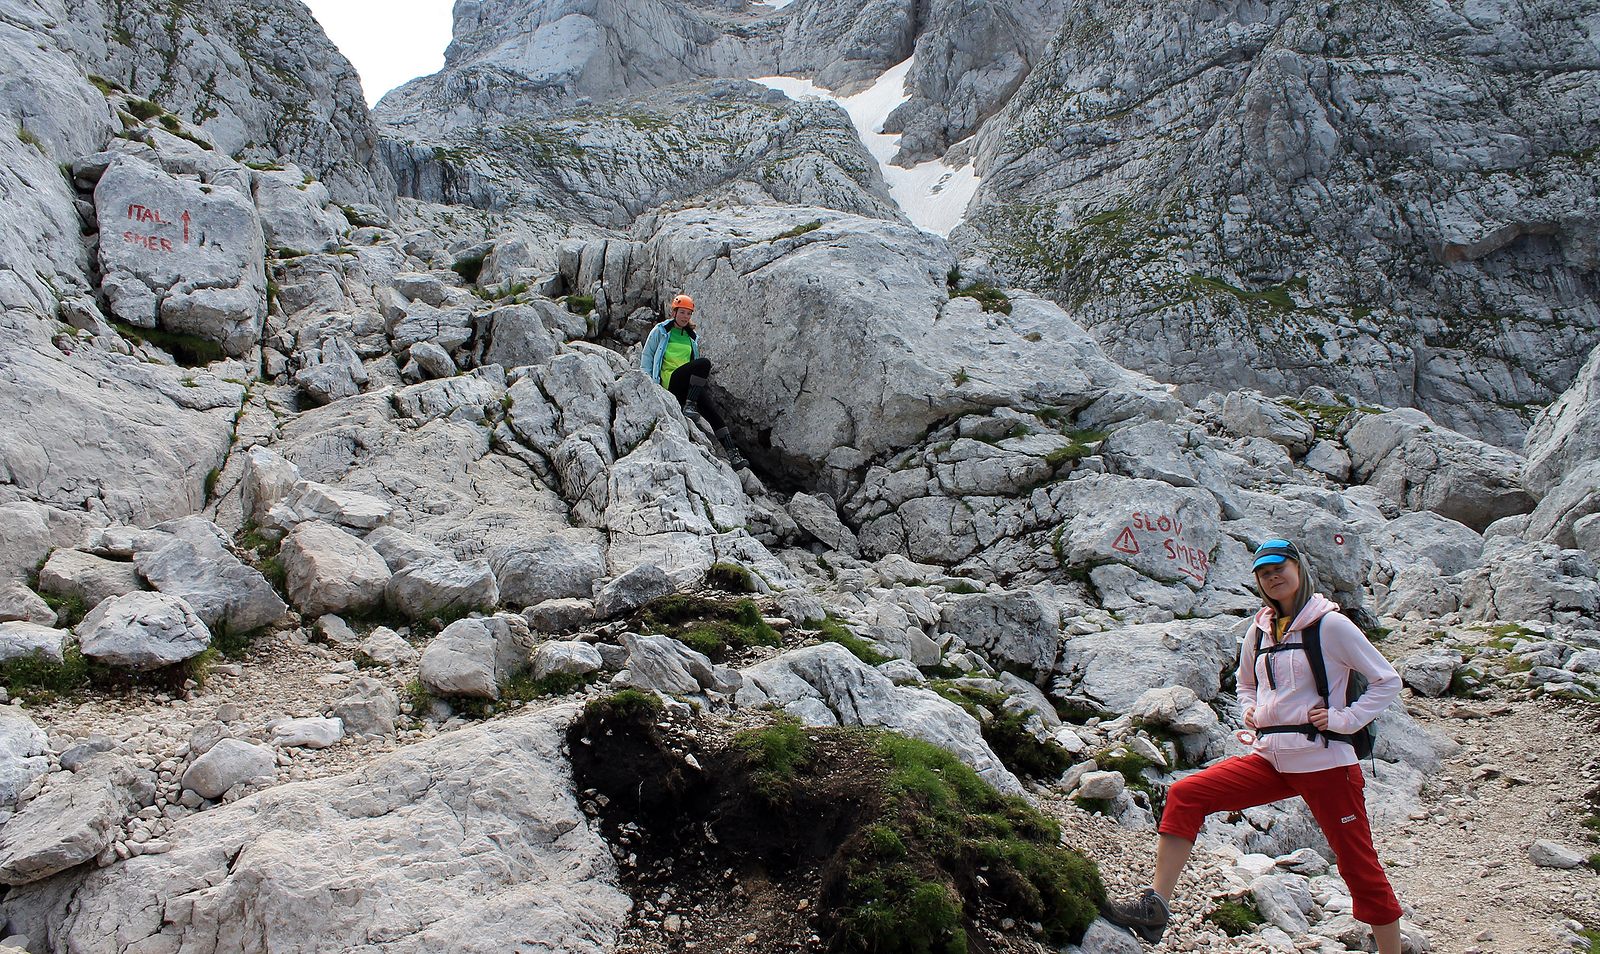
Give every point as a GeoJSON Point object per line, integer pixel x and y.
{"type": "Point", "coordinates": [1336, 802]}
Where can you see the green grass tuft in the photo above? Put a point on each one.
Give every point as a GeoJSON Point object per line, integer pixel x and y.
{"type": "Point", "coordinates": [731, 577]}
{"type": "Point", "coordinates": [39, 679]}
{"type": "Point", "coordinates": [1236, 917]}
{"type": "Point", "coordinates": [776, 755]}
{"type": "Point", "coordinates": [627, 705]}
{"type": "Point", "coordinates": [580, 304]}
{"type": "Point", "coordinates": [708, 626]}
{"type": "Point", "coordinates": [798, 230]}
{"type": "Point", "coordinates": [833, 630]}
{"type": "Point", "coordinates": [987, 296]}
{"type": "Point", "coordinates": [70, 610]}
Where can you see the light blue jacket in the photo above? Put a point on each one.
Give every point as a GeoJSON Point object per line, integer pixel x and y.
{"type": "Point", "coordinates": [655, 350]}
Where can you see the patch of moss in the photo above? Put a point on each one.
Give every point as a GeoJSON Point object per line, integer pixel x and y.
{"type": "Point", "coordinates": [731, 577]}
{"type": "Point", "coordinates": [798, 230]}
{"type": "Point", "coordinates": [143, 109]}
{"type": "Point", "coordinates": [70, 610]}
{"type": "Point", "coordinates": [1236, 917]}
{"type": "Point", "coordinates": [627, 704]}
{"type": "Point", "coordinates": [833, 630]}
{"type": "Point", "coordinates": [26, 136]}
{"type": "Point", "coordinates": [39, 679]}
{"type": "Point", "coordinates": [987, 296]}
{"type": "Point", "coordinates": [580, 304]}
{"type": "Point", "coordinates": [105, 86]}
{"type": "Point", "coordinates": [1084, 444]}
{"type": "Point", "coordinates": [708, 626]}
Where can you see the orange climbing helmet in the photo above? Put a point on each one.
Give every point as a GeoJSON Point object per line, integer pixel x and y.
{"type": "Point", "coordinates": [682, 301]}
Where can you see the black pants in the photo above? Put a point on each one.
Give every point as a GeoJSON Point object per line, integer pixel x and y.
{"type": "Point", "coordinates": [692, 379]}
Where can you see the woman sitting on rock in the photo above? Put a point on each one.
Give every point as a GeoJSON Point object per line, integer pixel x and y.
{"type": "Point", "coordinates": [1298, 747]}
{"type": "Point", "coordinates": [672, 357]}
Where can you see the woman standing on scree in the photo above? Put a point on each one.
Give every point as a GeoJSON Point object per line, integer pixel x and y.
{"type": "Point", "coordinates": [1292, 752]}
{"type": "Point", "coordinates": [671, 357]}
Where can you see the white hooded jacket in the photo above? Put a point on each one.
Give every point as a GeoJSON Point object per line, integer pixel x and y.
{"type": "Point", "coordinates": [1344, 648]}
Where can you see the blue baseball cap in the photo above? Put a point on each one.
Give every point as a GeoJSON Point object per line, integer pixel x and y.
{"type": "Point", "coordinates": [1275, 551]}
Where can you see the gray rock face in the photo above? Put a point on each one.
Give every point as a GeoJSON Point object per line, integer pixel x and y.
{"type": "Point", "coordinates": [184, 258]}
{"type": "Point", "coordinates": [425, 588]}
{"type": "Point", "coordinates": [826, 685]}
{"type": "Point", "coordinates": [1289, 260]}
{"type": "Point", "coordinates": [1117, 667]}
{"type": "Point", "coordinates": [1421, 466]}
{"type": "Point", "coordinates": [264, 83]}
{"type": "Point", "coordinates": [20, 604]}
{"type": "Point", "coordinates": [471, 657]}
{"type": "Point", "coordinates": [23, 753]}
{"type": "Point", "coordinates": [1429, 673]}
{"type": "Point", "coordinates": [901, 355]}
{"type": "Point", "coordinates": [819, 519]}
{"type": "Point", "coordinates": [1020, 628]}
{"type": "Point", "coordinates": [25, 640]}
{"type": "Point", "coordinates": [559, 616]}
{"type": "Point", "coordinates": [309, 500]}
{"type": "Point", "coordinates": [577, 658]}
{"type": "Point", "coordinates": [223, 591]}
{"type": "Point", "coordinates": [523, 867]}
{"type": "Point", "coordinates": [1567, 433]}
{"type": "Point", "coordinates": [549, 566]}
{"type": "Point", "coordinates": [370, 710]}
{"type": "Point", "coordinates": [228, 763]}
{"type": "Point", "coordinates": [1565, 505]}
{"type": "Point", "coordinates": [143, 631]}
{"type": "Point", "coordinates": [632, 590]}
{"type": "Point", "coordinates": [86, 577]}
{"type": "Point", "coordinates": [330, 571]}
{"type": "Point", "coordinates": [71, 823]}
{"type": "Point", "coordinates": [1520, 581]}
{"type": "Point", "coordinates": [665, 665]}
{"type": "Point", "coordinates": [1249, 414]}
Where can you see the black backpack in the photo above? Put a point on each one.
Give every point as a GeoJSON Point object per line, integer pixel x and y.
{"type": "Point", "coordinates": [1364, 738]}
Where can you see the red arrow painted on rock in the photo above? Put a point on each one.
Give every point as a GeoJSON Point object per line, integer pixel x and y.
{"type": "Point", "coordinates": [185, 217]}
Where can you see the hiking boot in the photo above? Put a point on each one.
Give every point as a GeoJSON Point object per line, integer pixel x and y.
{"type": "Point", "coordinates": [691, 410]}
{"type": "Point", "coordinates": [1145, 915]}
{"type": "Point", "coordinates": [736, 460]}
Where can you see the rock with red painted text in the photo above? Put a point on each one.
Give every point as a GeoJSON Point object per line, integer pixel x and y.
{"type": "Point", "coordinates": [181, 255]}
{"type": "Point", "coordinates": [1165, 532]}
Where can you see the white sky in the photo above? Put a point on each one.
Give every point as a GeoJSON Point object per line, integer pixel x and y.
{"type": "Point", "coordinates": [388, 41]}
{"type": "Point", "coordinates": [933, 196]}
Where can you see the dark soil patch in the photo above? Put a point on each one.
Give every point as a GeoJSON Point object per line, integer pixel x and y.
{"type": "Point", "coordinates": [863, 840]}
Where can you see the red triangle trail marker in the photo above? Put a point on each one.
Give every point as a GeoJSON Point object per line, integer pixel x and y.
{"type": "Point", "coordinates": [1125, 542]}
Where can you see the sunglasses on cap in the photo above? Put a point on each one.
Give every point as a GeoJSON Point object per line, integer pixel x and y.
{"type": "Point", "coordinates": [1275, 551]}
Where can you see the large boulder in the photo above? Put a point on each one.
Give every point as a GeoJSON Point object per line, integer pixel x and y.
{"type": "Point", "coordinates": [1164, 532]}
{"type": "Point", "coordinates": [665, 665]}
{"type": "Point", "coordinates": [1118, 666]}
{"type": "Point", "coordinates": [73, 821]}
{"type": "Point", "coordinates": [471, 657]}
{"type": "Point", "coordinates": [1020, 628]}
{"type": "Point", "coordinates": [143, 631]}
{"type": "Point", "coordinates": [221, 589]}
{"type": "Point", "coordinates": [562, 565]}
{"type": "Point", "coordinates": [442, 586]}
{"type": "Point", "coordinates": [228, 763]}
{"type": "Point", "coordinates": [330, 571]}
{"type": "Point", "coordinates": [20, 604]}
{"type": "Point", "coordinates": [180, 255]}
{"type": "Point", "coordinates": [1565, 505]}
{"type": "Point", "coordinates": [31, 640]}
{"type": "Point", "coordinates": [87, 578]}
{"type": "Point", "coordinates": [1248, 413]}
{"type": "Point", "coordinates": [826, 685]}
{"type": "Point", "coordinates": [522, 869]}
{"type": "Point", "coordinates": [1450, 546]}
{"type": "Point", "coordinates": [1531, 581]}
{"type": "Point", "coordinates": [1422, 466]}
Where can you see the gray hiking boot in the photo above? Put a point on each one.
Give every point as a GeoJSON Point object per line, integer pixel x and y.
{"type": "Point", "coordinates": [691, 409]}
{"type": "Point", "coordinates": [1145, 914]}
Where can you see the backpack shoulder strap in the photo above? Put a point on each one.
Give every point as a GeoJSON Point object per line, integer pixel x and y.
{"type": "Point", "coordinates": [1312, 638]}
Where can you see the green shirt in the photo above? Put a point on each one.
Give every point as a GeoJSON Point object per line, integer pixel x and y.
{"type": "Point", "coordinates": [680, 350]}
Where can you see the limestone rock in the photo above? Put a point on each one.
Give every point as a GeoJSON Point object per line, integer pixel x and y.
{"type": "Point", "coordinates": [385, 647]}
{"type": "Point", "coordinates": [665, 665]}
{"type": "Point", "coordinates": [20, 604]}
{"type": "Point", "coordinates": [577, 658]}
{"type": "Point", "coordinates": [400, 549]}
{"type": "Point", "coordinates": [308, 733]}
{"type": "Point", "coordinates": [184, 257]}
{"type": "Point", "coordinates": [88, 578]}
{"type": "Point", "coordinates": [1329, 459]}
{"type": "Point", "coordinates": [370, 710]}
{"type": "Point", "coordinates": [309, 500]}
{"type": "Point", "coordinates": [143, 631]}
{"type": "Point", "coordinates": [632, 590]}
{"type": "Point", "coordinates": [443, 586]}
{"type": "Point", "coordinates": [821, 521]}
{"type": "Point", "coordinates": [1100, 785]}
{"type": "Point", "coordinates": [1118, 666]}
{"type": "Point", "coordinates": [1565, 504]}
{"type": "Point", "coordinates": [72, 823]}
{"type": "Point", "coordinates": [1015, 627]}
{"type": "Point", "coordinates": [268, 479]}
{"type": "Point", "coordinates": [1549, 854]}
{"type": "Point", "coordinates": [1176, 707]}
{"type": "Point", "coordinates": [548, 567]}
{"type": "Point", "coordinates": [331, 371]}
{"type": "Point", "coordinates": [559, 616]}
{"type": "Point", "coordinates": [221, 589]}
{"type": "Point", "coordinates": [1429, 673]}
{"type": "Point", "coordinates": [20, 640]}
{"type": "Point", "coordinates": [1249, 414]}
{"type": "Point", "coordinates": [330, 571]}
{"type": "Point", "coordinates": [23, 753]}
{"type": "Point", "coordinates": [1567, 433]}
{"type": "Point", "coordinates": [1520, 581]}
{"type": "Point", "coordinates": [470, 658]}
{"type": "Point", "coordinates": [1421, 466]}
{"type": "Point", "coordinates": [228, 763]}
{"type": "Point", "coordinates": [524, 848]}
{"type": "Point", "coordinates": [826, 685]}
{"type": "Point", "coordinates": [294, 212]}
